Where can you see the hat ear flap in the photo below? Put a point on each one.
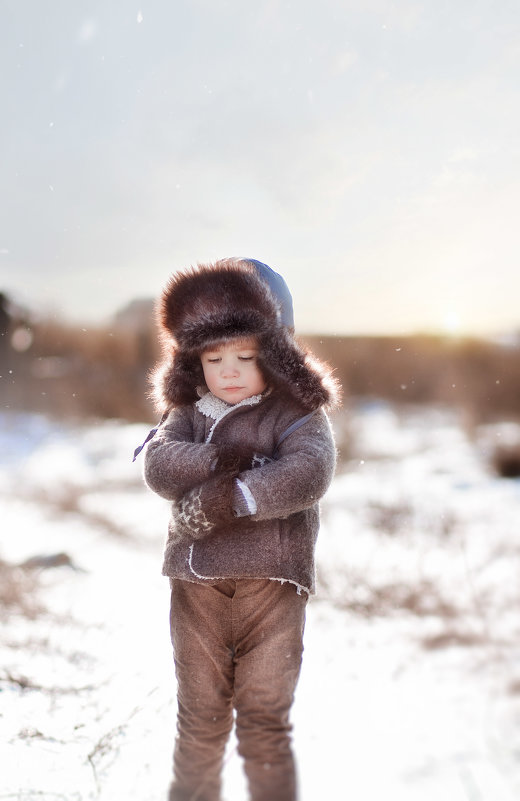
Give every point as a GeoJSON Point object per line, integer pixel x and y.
{"type": "Point", "coordinates": [175, 383]}
{"type": "Point", "coordinates": [294, 372]}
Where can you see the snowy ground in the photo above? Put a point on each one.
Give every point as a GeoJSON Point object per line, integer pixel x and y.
{"type": "Point", "coordinates": [411, 679]}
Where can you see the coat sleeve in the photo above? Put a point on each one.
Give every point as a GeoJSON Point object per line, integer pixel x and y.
{"type": "Point", "coordinates": [300, 476]}
{"type": "Point", "coordinates": [174, 463]}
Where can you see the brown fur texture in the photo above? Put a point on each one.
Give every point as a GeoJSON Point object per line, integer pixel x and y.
{"type": "Point", "coordinates": [213, 303]}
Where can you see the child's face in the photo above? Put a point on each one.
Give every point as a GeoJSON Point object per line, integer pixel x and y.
{"type": "Point", "coordinates": [231, 372]}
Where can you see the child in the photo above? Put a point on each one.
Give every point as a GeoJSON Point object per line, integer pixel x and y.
{"type": "Point", "coordinates": [245, 453]}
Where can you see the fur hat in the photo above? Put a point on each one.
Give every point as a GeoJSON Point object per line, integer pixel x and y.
{"type": "Point", "coordinates": [211, 304]}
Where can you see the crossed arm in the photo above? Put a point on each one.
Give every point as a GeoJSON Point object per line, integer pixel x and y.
{"type": "Point", "coordinates": [212, 486]}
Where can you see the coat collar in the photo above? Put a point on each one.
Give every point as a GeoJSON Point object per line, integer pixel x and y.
{"type": "Point", "coordinates": [216, 409]}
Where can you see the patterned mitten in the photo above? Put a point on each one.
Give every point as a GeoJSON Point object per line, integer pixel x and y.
{"type": "Point", "coordinates": [235, 459]}
{"type": "Point", "coordinates": [208, 506]}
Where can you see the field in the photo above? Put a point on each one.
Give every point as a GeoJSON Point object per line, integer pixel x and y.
{"type": "Point", "coordinates": [411, 677]}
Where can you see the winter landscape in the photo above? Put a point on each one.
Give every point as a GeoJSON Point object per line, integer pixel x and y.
{"type": "Point", "coordinates": [411, 678]}
{"type": "Point", "coordinates": [368, 152]}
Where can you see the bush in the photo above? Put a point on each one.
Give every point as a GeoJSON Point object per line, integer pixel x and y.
{"type": "Point", "coordinates": [506, 461]}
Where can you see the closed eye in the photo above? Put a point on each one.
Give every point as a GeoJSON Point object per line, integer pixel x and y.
{"type": "Point", "coordinates": [246, 358]}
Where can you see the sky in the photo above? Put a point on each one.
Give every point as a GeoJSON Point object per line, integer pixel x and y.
{"type": "Point", "coordinates": [368, 151]}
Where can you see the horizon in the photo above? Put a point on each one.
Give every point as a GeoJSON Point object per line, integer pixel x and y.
{"type": "Point", "coordinates": [26, 315]}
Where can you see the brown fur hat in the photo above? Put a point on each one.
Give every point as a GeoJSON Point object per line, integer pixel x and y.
{"type": "Point", "coordinates": [210, 304]}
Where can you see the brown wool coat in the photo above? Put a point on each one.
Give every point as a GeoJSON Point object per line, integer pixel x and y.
{"type": "Point", "coordinates": [278, 541]}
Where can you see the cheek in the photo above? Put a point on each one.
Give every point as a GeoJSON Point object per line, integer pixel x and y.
{"type": "Point", "coordinates": [259, 380]}
{"type": "Point", "coordinates": [208, 372]}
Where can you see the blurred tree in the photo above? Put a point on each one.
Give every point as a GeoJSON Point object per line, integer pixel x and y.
{"type": "Point", "coordinates": [5, 326]}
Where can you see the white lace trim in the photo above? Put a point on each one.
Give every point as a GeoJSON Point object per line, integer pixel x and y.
{"type": "Point", "coordinates": [211, 406]}
{"type": "Point", "coordinates": [198, 575]}
{"type": "Point", "coordinates": [299, 587]}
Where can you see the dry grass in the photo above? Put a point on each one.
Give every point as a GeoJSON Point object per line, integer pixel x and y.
{"type": "Point", "coordinates": [18, 591]}
{"type": "Point", "coordinates": [80, 373]}
{"type": "Point", "coordinates": [66, 499]}
{"type": "Point", "coordinates": [453, 636]}
{"type": "Point", "coordinates": [481, 377]}
{"type": "Point", "coordinates": [422, 600]}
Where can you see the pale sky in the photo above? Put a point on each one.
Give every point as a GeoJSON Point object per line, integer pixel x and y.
{"type": "Point", "coordinates": [366, 149]}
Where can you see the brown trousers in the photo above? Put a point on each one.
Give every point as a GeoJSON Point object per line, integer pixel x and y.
{"type": "Point", "coordinates": [237, 646]}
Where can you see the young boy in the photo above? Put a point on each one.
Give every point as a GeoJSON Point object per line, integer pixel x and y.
{"type": "Point", "coordinates": [244, 454]}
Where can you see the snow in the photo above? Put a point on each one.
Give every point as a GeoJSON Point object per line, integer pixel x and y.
{"type": "Point", "coordinates": [411, 676]}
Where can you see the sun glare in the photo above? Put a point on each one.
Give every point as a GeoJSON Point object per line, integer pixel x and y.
{"type": "Point", "coordinates": [451, 323]}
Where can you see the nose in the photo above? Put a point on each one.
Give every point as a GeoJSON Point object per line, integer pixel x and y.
{"type": "Point", "coordinates": [229, 370]}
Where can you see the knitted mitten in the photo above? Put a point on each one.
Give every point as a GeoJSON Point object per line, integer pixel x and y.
{"type": "Point", "coordinates": [233, 459]}
{"type": "Point", "coordinates": [208, 506]}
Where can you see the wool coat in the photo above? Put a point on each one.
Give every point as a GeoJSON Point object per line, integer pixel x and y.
{"type": "Point", "coordinates": [278, 540]}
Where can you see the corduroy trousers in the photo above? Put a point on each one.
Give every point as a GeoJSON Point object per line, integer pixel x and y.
{"type": "Point", "coordinates": [237, 649]}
